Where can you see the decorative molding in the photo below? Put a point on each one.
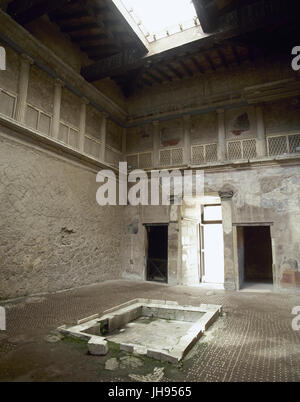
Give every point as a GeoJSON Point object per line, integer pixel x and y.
{"type": "Point", "coordinates": [226, 195]}
{"type": "Point", "coordinates": [49, 62]}
{"type": "Point", "coordinates": [46, 142]}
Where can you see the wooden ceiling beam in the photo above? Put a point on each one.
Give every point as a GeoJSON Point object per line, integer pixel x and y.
{"type": "Point", "coordinates": [98, 49]}
{"type": "Point", "coordinates": [174, 71]}
{"type": "Point", "coordinates": [25, 11]}
{"type": "Point", "coordinates": [163, 74]}
{"type": "Point", "coordinates": [209, 61]}
{"type": "Point", "coordinates": [91, 38]}
{"type": "Point", "coordinates": [153, 77]}
{"type": "Point", "coordinates": [87, 5]}
{"type": "Point", "coordinates": [113, 65]}
{"type": "Point", "coordinates": [222, 57]}
{"type": "Point", "coordinates": [80, 27]}
{"type": "Point", "coordinates": [146, 81]}
{"type": "Point", "coordinates": [122, 63]}
{"type": "Point", "coordinates": [118, 9]}
{"type": "Point", "coordinates": [197, 64]}
{"type": "Point", "coordinates": [132, 82]}
{"type": "Point", "coordinates": [186, 68]}
{"type": "Point", "coordinates": [65, 17]}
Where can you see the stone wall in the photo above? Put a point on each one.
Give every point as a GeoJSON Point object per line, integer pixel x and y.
{"type": "Point", "coordinates": [266, 193]}
{"type": "Point", "coordinates": [53, 234]}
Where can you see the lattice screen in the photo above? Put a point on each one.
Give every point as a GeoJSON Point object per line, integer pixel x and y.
{"type": "Point", "coordinates": [70, 136]}
{"type": "Point", "coordinates": [145, 160]}
{"type": "Point", "coordinates": [165, 157]}
{"type": "Point", "coordinates": [204, 153]}
{"type": "Point", "coordinates": [177, 156]}
{"type": "Point", "coordinates": [211, 152]}
{"type": "Point", "coordinates": [242, 149]}
{"type": "Point", "coordinates": [249, 148]}
{"type": "Point", "coordinates": [92, 147]}
{"type": "Point", "coordinates": [74, 138]}
{"type": "Point", "coordinates": [294, 142]}
{"type": "Point", "coordinates": [234, 150]}
{"type": "Point", "coordinates": [140, 161]}
{"type": "Point", "coordinates": [198, 155]}
{"type": "Point", "coordinates": [133, 161]}
{"type": "Point", "coordinates": [41, 121]}
{"type": "Point", "coordinates": [7, 103]}
{"type": "Point", "coordinates": [31, 117]}
{"type": "Point", "coordinates": [278, 145]}
{"type": "Point", "coordinates": [112, 157]}
{"type": "Point", "coordinates": [169, 157]}
{"type": "Point", "coordinates": [44, 125]}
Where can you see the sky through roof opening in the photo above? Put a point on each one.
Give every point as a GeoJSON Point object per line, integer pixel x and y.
{"type": "Point", "coordinates": [160, 18]}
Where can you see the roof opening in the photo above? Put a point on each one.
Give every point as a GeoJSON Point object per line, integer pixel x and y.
{"type": "Point", "coordinates": [161, 18]}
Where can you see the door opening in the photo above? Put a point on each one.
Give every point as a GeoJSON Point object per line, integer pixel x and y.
{"type": "Point", "coordinates": [212, 244]}
{"type": "Point", "coordinates": [157, 260]}
{"type": "Point", "coordinates": [255, 256]}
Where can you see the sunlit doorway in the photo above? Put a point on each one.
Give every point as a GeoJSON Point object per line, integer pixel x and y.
{"type": "Point", "coordinates": [211, 243]}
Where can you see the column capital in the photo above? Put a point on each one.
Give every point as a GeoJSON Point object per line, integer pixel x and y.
{"type": "Point", "coordinates": [155, 122]}
{"type": "Point", "coordinates": [85, 100]}
{"type": "Point", "coordinates": [186, 117]}
{"type": "Point", "coordinates": [219, 111]}
{"type": "Point", "coordinates": [226, 195]}
{"type": "Point", "coordinates": [59, 83]}
{"type": "Point", "coordinates": [26, 58]}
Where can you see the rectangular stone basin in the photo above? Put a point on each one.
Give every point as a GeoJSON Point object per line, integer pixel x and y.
{"type": "Point", "coordinates": [160, 329]}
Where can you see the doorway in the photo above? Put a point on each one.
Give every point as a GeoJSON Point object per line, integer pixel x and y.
{"type": "Point", "coordinates": [255, 256]}
{"type": "Point", "coordinates": [157, 259]}
{"type": "Point", "coordinates": [212, 244]}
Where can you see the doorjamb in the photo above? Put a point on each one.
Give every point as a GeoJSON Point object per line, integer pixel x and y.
{"type": "Point", "coordinates": [235, 249]}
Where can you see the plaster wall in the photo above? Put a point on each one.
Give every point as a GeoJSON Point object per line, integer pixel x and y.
{"type": "Point", "coordinates": [262, 194]}
{"type": "Point", "coordinates": [53, 234]}
{"type": "Point", "coordinates": [199, 91]}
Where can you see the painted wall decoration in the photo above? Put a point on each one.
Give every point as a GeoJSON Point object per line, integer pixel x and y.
{"type": "Point", "coordinates": [171, 134]}
{"type": "Point", "coordinates": [241, 122]}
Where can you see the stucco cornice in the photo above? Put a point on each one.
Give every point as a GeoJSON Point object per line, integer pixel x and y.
{"type": "Point", "coordinates": [18, 38]}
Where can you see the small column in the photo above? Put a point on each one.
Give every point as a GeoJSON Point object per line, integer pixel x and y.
{"type": "Point", "coordinates": [221, 135]}
{"type": "Point", "coordinates": [156, 144]}
{"type": "Point", "coordinates": [261, 132]}
{"type": "Point", "coordinates": [82, 123]}
{"type": "Point", "coordinates": [58, 85]}
{"type": "Point", "coordinates": [229, 274]}
{"type": "Point", "coordinates": [26, 61]}
{"type": "Point", "coordinates": [103, 129]}
{"type": "Point", "coordinates": [187, 139]}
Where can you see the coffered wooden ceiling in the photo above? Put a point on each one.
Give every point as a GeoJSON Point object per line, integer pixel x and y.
{"type": "Point", "coordinates": [237, 31]}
